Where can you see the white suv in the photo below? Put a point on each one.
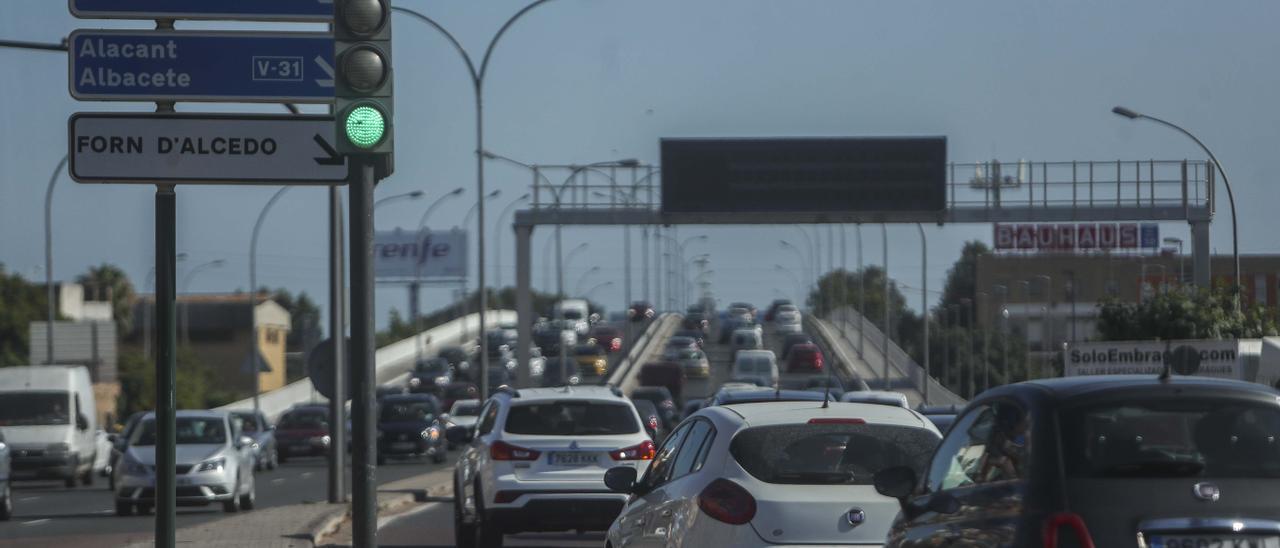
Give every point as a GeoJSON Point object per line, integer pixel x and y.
{"type": "Point", "coordinates": [535, 461]}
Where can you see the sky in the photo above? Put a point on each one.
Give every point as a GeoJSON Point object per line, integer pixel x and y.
{"type": "Point", "coordinates": [579, 81]}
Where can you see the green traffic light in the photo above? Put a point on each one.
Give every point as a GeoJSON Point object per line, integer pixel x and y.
{"type": "Point", "coordinates": [365, 126]}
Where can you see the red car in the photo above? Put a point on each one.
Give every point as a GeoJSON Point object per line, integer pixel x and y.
{"type": "Point", "coordinates": [607, 337]}
{"type": "Point", "coordinates": [805, 356]}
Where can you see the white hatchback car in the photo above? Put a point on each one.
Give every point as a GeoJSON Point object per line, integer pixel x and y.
{"type": "Point", "coordinates": [771, 474]}
{"type": "Point", "coordinates": [756, 363]}
{"type": "Point", "coordinates": [536, 461]}
{"type": "Point", "coordinates": [788, 319]}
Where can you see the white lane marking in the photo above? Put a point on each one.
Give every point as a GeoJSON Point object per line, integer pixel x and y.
{"type": "Point", "coordinates": [388, 520]}
{"type": "Point", "coordinates": [277, 481]}
{"type": "Point", "coordinates": [35, 521]}
{"type": "Point", "coordinates": [25, 499]}
{"type": "Point", "coordinates": [306, 474]}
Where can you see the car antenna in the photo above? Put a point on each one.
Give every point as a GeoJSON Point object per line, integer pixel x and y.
{"type": "Point", "coordinates": [826, 392]}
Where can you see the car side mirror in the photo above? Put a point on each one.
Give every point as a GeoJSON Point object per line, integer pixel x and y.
{"type": "Point", "coordinates": [82, 422]}
{"type": "Point", "coordinates": [458, 434]}
{"type": "Point", "coordinates": [897, 482]}
{"type": "Point", "coordinates": [245, 441]}
{"type": "Point", "coordinates": [621, 479]}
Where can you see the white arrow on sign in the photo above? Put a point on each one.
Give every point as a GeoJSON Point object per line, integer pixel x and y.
{"type": "Point", "coordinates": [324, 65]}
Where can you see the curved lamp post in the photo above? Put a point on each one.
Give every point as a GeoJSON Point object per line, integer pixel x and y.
{"type": "Point", "coordinates": [1231, 199]}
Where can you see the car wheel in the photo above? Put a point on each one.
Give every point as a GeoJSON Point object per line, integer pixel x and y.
{"type": "Point", "coordinates": [6, 504]}
{"type": "Point", "coordinates": [248, 500]}
{"type": "Point", "coordinates": [274, 462]}
{"type": "Point", "coordinates": [124, 508]}
{"type": "Point", "coordinates": [232, 505]}
{"type": "Point", "coordinates": [488, 534]}
{"type": "Point", "coordinates": [70, 482]}
{"type": "Point", "coordinates": [464, 534]}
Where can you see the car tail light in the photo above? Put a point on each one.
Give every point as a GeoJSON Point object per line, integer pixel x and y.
{"type": "Point", "coordinates": [728, 502]}
{"type": "Point", "coordinates": [615, 344]}
{"type": "Point", "coordinates": [501, 450]}
{"type": "Point", "coordinates": [1073, 523]}
{"type": "Point", "coordinates": [645, 450]}
{"type": "Point", "coordinates": [653, 423]}
{"type": "Point", "coordinates": [836, 421]}
{"type": "Point", "coordinates": [817, 361]}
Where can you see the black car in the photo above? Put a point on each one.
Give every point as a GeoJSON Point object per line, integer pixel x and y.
{"type": "Point", "coordinates": [559, 372]}
{"type": "Point", "coordinates": [791, 339]}
{"type": "Point", "coordinates": [773, 308]}
{"type": "Point", "coordinates": [409, 426]}
{"type": "Point", "coordinates": [548, 339]}
{"type": "Point", "coordinates": [430, 376]}
{"type": "Point", "coordinates": [640, 311]}
{"type": "Point", "coordinates": [1108, 461]}
{"type": "Point", "coordinates": [661, 397]}
{"type": "Point", "coordinates": [654, 424]}
{"type": "Point", "coordinates": [696, 321]}
{"type": "Point", "coordinates": [698, 336]}
{"type": "Point", "coordinates": [460, 359]}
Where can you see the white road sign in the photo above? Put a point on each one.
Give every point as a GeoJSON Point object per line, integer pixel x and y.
{"type": "Point", "coordinates": [408, 255]}
{"type": "Point", "coordinates": [203, 149]}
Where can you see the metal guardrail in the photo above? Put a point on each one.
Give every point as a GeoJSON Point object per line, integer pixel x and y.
{"type": "Point", "coordinates": [624, 376]}
{"type": "Point", "coordinates": [848, 319]}
{"type": "Point", "coordinates": [826, 343]}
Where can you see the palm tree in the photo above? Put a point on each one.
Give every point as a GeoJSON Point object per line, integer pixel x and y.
{"type": "Point", "coordinates": [108, 282]}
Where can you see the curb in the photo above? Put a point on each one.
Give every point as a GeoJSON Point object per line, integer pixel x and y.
{"type": "Point", "coordinates": [389, 504]}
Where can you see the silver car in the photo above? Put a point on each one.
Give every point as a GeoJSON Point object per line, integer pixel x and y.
{"type": "Point", "coordinates": [254, 425]}
{"type": "Point", "coordinates": [214, 464]}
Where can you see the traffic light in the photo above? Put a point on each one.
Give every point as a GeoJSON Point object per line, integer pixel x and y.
{"type": "Point", "coordinates": [363, 105]}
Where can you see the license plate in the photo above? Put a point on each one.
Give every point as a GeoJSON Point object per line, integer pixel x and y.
{"type": "Point", "coordinates": [572, 459]}
{"type": "Point", "coordinates": [1210, 541]}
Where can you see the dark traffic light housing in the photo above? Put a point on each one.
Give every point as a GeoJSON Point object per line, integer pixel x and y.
{"type": "Point", "coordinates": [363, 102]}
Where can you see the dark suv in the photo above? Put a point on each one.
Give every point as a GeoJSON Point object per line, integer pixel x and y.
{"type": "Point", "coordinates": [1115, 461]}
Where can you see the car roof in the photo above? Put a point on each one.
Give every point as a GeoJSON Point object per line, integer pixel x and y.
{"type": "Point", "coordinates": [767, 394]}
{"type": "Point", "coordinates": [192, 413]}
{"type": "Point", "coordinates": [680, 339]}
{"type": "Point", "coordinates": [799, 412]}
{"type": "Point", "coordinates": [756, 352]}
{"type": "Point", "coordinates": [1064, 388]}
{"type": "Point", "coordinates": [578, 391]}
{"type": "Point", "coordinates": [408, 398]}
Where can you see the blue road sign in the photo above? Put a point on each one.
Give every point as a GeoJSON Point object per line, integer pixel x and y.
{"type": "Point", "coordinates": [142, 65]}
{"type": "Point", "coordinates": [248, 10]}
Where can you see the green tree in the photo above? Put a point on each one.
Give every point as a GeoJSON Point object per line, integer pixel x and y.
{"type": "Point", "coordinates": [21, 303]}
{"type": "Point", "coordinates": [108, 282]}
{"type": "Point", "coordinates": [196, 384]}
{"type": "Point", "coordinates": [962, 277]}
{"type": "Point", "coordinates": [1172, 315]}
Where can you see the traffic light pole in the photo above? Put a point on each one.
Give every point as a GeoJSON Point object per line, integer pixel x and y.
{"type": "Point", "coordinates": [364, 472]}
{"type": "Point", "coordinates": [337, 333]}
{"type": "Point", "coordinates": [166, 366]}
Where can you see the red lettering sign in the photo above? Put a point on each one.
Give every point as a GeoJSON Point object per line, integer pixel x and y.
{"type": "Point", "coordinates": [1087, 236]}
{"type": "Point", "coordinates": [1128, 236]}
{"type": "Point", "coordinates": [1066, 237]}
{"type": "Point", "coordinates": [1046, 237]}
{"type": "Point", "coordinates": [1026, 237]}
{"type": "Point", "coordinates": [1004, 237]}
{"type": "Point", "coordinates": [1106, 236]}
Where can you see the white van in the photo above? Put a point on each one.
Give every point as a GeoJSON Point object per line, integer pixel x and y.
{"type": "Point", "coordinates": [576, 311]}
{"type": "Point", "coordinates": [49, 419]}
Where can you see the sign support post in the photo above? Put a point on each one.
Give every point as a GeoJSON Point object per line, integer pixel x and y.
{"type": "Point", "coordinates": [364, 480]}
{"type": "Point", "coordinates": [337, 330]}
{"type": "Point", "coordinates": [166, 366]}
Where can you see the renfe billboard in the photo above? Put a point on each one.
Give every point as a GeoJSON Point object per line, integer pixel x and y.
{"type": "Point", "coordinates": [803, 175]}
{"type": "Point", "coordinates": [408, 255]}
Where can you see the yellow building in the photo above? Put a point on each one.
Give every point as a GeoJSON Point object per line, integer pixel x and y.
{"type": "Point", "coordinates": [217, 328]}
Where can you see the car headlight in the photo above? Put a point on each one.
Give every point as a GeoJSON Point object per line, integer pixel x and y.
{"type": "Point", "coordinates": [322, 440]}
{"type": "Point", "coordinates": [212, 465]}
{"type": "Point", "coordinates": [442, 380]}
{"type": "Point", "coordinates": [58, 448]}
{"type": "Point", "coordinates": [415, 382]}
{"type": "Point", "coordinates": [431, 434]}
{"type": "Point", "coordinates": [464, 366]}
{"type": "Point", "coordinates": [600, 363]}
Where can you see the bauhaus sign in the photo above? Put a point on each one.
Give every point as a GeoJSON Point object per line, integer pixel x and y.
{"type": "Point", "coordinates": [1077, 237]}
{"type": "Point", "coordinates": [420, 255]}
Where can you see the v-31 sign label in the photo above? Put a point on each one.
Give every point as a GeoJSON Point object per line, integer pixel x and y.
{"type": "Point", "coordinates": [203, 148]}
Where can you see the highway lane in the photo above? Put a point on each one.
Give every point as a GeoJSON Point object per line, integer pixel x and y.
{"type": "Point", "coordinates": [50, 514]}
{"type": "Point", "coordinates": [431, 526]}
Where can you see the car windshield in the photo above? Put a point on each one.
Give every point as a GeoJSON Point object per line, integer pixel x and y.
{"type": "Point", "coordinates": [466, 410]}
{"type": "Point", "coordinates": [1191, 437]}
{"type": "Point", "coordinates": [830, 454]}
{"type": "Point", "coordinates": [34, 408]}
{"type": "Point", "coordinates": [190, 431]}
{"type": "Point", "coordinates": [403, 411]}
{"type": "Point", "coordinates": [310, 420]}
{"type": "Point", "coordinates": [571, 418]}
{"type": "Point", "coordinates": [755, 365]}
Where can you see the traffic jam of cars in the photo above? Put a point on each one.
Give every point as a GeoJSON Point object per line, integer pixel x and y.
{"type": "Point", "coordinates": [745, 436]}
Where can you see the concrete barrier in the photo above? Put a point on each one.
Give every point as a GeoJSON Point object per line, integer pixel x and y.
{"type": "Point", "coordinates": [393, 363]}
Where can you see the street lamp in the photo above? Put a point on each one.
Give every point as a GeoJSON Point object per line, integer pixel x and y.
{"type": "Point", "coordinates": [794, 278]}
{"type": "Point", "coordinates": [48, 259]}
{"type": "Point", "coordinates": [577, 288]}
{"type": "Point", "coordinates": [466, 300]}
{"type": "Point", "coordinates": [415, 285]}
{"type": "Point", "coordinates": [1235, 234]}
{"type": "Point", "coordinates": [253, 294]}
{"type": "Point", "coordinates": [683, 266]}
{"type": "Point", "coordinates": [186, 306]}
{"type": "Point", "coordinates": [497, 238]}
{"type": "Point", "coordinates": [405, 196]}
{"type": "Point", "coordinates": [568, 258]}
{"type": "Point", "coordinates": [1182, 270]}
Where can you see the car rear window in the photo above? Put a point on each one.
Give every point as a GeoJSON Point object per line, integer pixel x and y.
{"type": "Point", "coordinates": [308, 420]}
{"type": "Point", "coordinates": [407, 411]}
{"type": "Point", "coordinates": [571, 418]}
{"type": "Point", "coordinates": [830, 454]}
{"type": "Point", "coordinates": [1189, 437]}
